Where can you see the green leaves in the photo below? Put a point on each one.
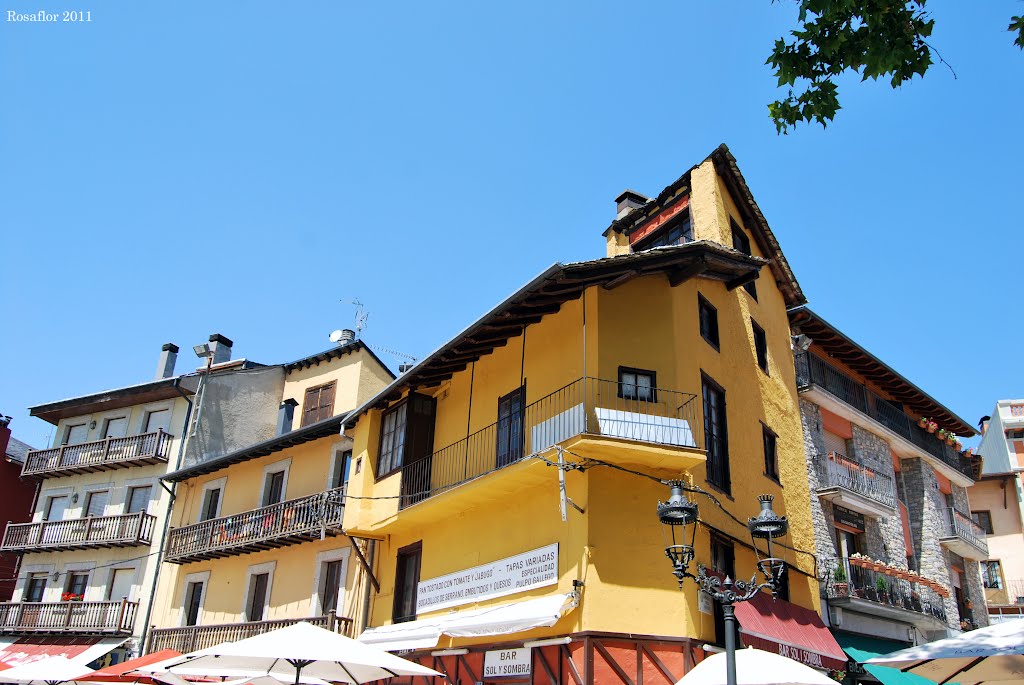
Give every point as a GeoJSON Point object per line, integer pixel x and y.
{"type": "Point", "coordinates": [875, 38]}
{"type": "Point", "coordinates": [1017, 24]}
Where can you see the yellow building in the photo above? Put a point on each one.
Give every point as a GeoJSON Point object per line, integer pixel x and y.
{"type": "Point", "coordinates": [256, 539]}
{"type": "Point", "coordinates": [669, 359]}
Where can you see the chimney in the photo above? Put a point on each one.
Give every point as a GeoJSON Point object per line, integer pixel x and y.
{"type": "Point", "coordinates": [347, 336]}
{"type": "Point", "coordinates": [404, 368]}
{"type": "Point", "coordinates": [221, 348]}
{"type": "Point", "coordinates": [627, 201]}
{"type": "Point", "coordinates": [5, 435]}
{"type": "Point", "coordinates": [285, 415]}
{"type": "Point", "coordinates": [983, 424]}
{"type": "Point", "coordinates": [168, 357]}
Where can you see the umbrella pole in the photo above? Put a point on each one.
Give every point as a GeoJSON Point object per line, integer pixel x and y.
{"type": "Point", "coordinates": [729, 613]}
{"type": "Point", "coordinates": [299, 664]}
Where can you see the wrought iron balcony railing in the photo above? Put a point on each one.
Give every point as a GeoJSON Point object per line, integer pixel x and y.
{"type": "Point", "coordinates": [77, 618]}
{"type": "Point", "coordinates": [99, 455]}
{"type": "Point", "coordinates": [813, 370]}
{"type": "Point", "coordinates": [837, 471]}
{"type": "Point", "coordinates": [190, 638]}
{"type": "Point", "coordinates": [280, 524]}
{"type": "Point", "coordinates": [586, 406]}
{"type": "Point", "coordinates": [960, 526]}
{"type": "Point", "coordinates": [125, 530]}
{"type": "Point", "coordinates": [857, 582]}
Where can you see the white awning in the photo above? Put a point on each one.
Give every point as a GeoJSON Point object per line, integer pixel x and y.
{"type": "Point", "coordinates": [499, 620]}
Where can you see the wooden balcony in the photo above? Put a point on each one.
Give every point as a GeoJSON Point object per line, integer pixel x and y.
{"type": "Point", "coordinates": [99, 455]}
{"type": "Point", "coordinates": [285, 523]}
{"type": "Point", "coordinates": [68, 618]}
{"type": "Point", "coordinates": [190, 638]}
{"type": "Point", "coordinates": [125, 530]}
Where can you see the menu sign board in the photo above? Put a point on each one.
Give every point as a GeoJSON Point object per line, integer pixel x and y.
{"type": "Point", "coordinates": [536, 568]}
{"type": "Point", "coordinates": [845, 517]}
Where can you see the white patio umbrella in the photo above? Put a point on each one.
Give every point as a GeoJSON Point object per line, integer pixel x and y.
{"type": "Point", "coordinates": [988, 655]}
{"type": "Point", "coordinates": [299, 650]}
{"type": "Point", "coordinates": [755, 667]}
{"type": "Point", "coordinates": [48, 671]}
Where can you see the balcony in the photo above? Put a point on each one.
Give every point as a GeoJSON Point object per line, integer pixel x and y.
{"type": "Point", "coordinates": [854, 486]}
{"type": "Point", "coordinates": [963, 536]}
{"type": "Point", "coordinates": [634, 433]}
{"type": "Point", "coordinates": [126, 530]}
{"type": "Point", "coordinates": [190, 638]}
{"type": "Point", "coordinates": [813, 371]}
{"type": "Point", "coordinates": [882, 594]}
{"type": "Point", "coordinates": [99, 455]}
{"type": "Point", "coordinates": [1011, 593]}
{"type": "Point", "coordinates": [68, 618]}
{"type": "Point", "coordinates": [277, 525]}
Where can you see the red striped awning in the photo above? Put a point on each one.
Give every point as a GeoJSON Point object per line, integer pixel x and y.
{"type": "Point", "coordinates": [81, 650]}
{"type": "Point", "coordinates": [776, 625]}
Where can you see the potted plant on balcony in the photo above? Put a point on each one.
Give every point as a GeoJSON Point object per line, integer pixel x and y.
{"type": "Point", "coordinates": [950, 438]}
{"type": "Point", "coordinates": [882, 587]}
{"type": "Point", "coordinates": [915, 601]}
{"type": "Point", "coordinates": [923, 422]}
{"type": "Point", "coordinates": [842, 587]}
{"type": "Point", "coordinates": [941, 434]}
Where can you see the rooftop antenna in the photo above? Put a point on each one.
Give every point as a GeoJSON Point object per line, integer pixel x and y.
{"type": "Point", "coordinates": [361, 315]}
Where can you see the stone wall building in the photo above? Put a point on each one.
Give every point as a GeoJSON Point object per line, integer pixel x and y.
{"type": "Point", "coordinates": [898, 550]}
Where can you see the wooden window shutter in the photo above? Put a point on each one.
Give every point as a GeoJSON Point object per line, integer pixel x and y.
{"type": "Point", "coordinates": [326, 402]}
{"type": "Point", "coordinates": [311, 406]}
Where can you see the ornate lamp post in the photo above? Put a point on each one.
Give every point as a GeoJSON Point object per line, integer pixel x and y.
{"type": "Point", "coordinates": [679, 513]}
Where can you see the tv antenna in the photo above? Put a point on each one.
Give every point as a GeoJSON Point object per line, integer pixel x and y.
{"type": "Point", "coordinates": [361, 315]}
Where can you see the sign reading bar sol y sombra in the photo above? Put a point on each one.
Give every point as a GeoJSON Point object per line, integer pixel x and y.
{"type": "Point", "coordinates": [536, 568]}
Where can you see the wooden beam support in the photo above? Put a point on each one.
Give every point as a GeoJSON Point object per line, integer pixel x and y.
{"type": "Point", "coordinates": [624, 278]}
{"type": "Point", "coordinates": [365, 564]}
{"type": "Point", "coordinates": [685, 273]}
{"type": "Point", "coordinates": [742, 280]}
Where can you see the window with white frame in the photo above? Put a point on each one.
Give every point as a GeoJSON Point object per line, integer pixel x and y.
{"type": "Point", "coordinates": [329, 581]}
{"type": "Point", "coordinates": [193, 596]}
{"type": "Point", "coordinates": [157, 419]}
{"type": "Point", "coordinates": [275, 482]}
{"type": "Point", "coordinates": [138, 498]}
{"type": "Point", "coordinates": [115, 427]}
{"type": "Point", "coordinates": [257, 592]}
{"type": "Point", "coordinates": [121, 584]}
{"type": "Point", "coordinates": [211, 499]}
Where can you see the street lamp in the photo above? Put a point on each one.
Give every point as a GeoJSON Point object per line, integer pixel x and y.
{"type": "Point", "coordinates": [677, 514]}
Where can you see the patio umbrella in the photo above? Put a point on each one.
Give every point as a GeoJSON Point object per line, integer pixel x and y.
{"type": "Point", "coordinates": [119, 673]}
{"type": "Point", "coordinates": [988, 655]}
{"type": "Point", "coordinates": [301, 649]}
{"type": "Point", "coordinates": [48, 671]}
{"type": "Point", "coordinates": [755, 667]}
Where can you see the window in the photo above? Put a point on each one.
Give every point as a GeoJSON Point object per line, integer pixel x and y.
{"type": "Point", "coordinates": [771, 457]}
{"type": "Point", "coordinates": [158, 420]}
{"type": "Point", "coordinates": [407, 576]}
{"type": "Point", "coordinates": [258, 586]}
{"type": "Point", "coordinates": [96, 502]}
{"type": "Point", "coordinates": [75, 435]}
{"type": "Point", "coordinates": [340, 469]}
{"type": "Point", "coordinates": [708, 317]}
{"type": "Point", "coordinates": [56, 508]}
{"type": "Point", "coordinates": [116, 427]}
{"type": "Point", "coordinates": [678, 232]}
{"type": "Point", "coordinates": [318, 404]}
{"type": "Point", "coordinates": [984, 519]}
{"type": "Point", "coordinates": [211, 504]}
{"type": "Point", "coordinates": [636, 384]}
{"type": "Point", "coordinates": [35, 588]}
{"type": "Point", "coordinates": [992, 575]}
{"type": "Point", "coordinates": [716, 439]}
{"type": "Point", "coordinates": [510, 427]}
{"type": "Point", "coordinates": [741, 243]}
{"type": "Point", "coordinates": [330, 589]}
{"type": "Point", "coordinates": [76, 585]}
{"type": "Point", "coordinates": [138, 498]}
{"type": "Point", "coordinates": [407, 434]}
{"type": "Point", "coordinates": [193, 602]}
{"type": "Point", "coordinates": [760, 346]}
{"type": "Point", "coordinates": [273, 487]}
{"type": "Point", "coordinates": [121, 582]}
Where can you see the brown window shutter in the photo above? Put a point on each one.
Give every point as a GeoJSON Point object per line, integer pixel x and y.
{"type": "Point", "coordinates": [311, 406]}
{"type": "Point", "coordinates": [326, 402]}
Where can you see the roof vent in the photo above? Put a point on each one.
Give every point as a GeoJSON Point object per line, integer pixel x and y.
{"type": "Point", "coordinates": [627, 201]}
{"type": "Point", "coordinates": [343, 337]}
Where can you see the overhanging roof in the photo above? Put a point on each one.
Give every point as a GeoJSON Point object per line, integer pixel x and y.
{"type": "Point", "coordinates": [556, 285]}
{"type": "Point", "coordinates": [334, 353]}
{"type": "Point", "coordinates": [839, 346]}
{"type": "Point", "coordinates": [162, 389]}
{"type": "Point", "coordinates": [314, 431]}
{"type": "Point", "coordinates": [753, 219]}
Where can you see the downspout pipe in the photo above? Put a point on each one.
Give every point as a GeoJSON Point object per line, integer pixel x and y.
{"type": "Point", "coordinates": [167, 520]}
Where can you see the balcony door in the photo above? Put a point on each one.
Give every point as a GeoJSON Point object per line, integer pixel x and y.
{"type": "Point", "coordinates": [418, 445]}
{"type": "Point", "coordinates": [35, 588]}
{"type": "Point", "coordinates": [116, 427]}
{"type": "Point", "coordinates": [158, 420]}
{"type": "Point", "coordinates": [510, 427]}
{"type": "Point", "coordinates": [75, 435]}
{"type": "Point", "coordinates": [121, 582]}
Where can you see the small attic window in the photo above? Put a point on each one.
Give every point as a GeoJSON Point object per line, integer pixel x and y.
{"type": "Point", "coordinates": [676, 232]}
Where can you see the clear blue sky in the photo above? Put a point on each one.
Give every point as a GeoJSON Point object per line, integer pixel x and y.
{"type": "Point", "coordinates": [170, 170]}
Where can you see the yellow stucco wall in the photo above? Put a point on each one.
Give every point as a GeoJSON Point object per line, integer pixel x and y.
{"type": "Point", "coordinates": [359, 377]}
{"type": "Point", "coordinates": [617, 545]}
{"type": "Point", "coordinates": [1006, 544]}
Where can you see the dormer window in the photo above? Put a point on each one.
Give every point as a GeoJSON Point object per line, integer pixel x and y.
{"type": "Point", "coordinates": [677, 232]}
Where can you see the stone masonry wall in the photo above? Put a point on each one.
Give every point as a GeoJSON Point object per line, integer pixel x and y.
{"type": "Point", "coordinates": [814, 444]}
{"type": "Point", "coordinates": [883, 536]}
